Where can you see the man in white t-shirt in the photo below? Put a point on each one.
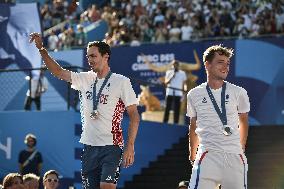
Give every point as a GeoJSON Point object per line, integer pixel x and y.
{"type": "Point", "coordinates": [38, 84]}
{"type": "Point", "coordinates": [52, 41]}
{"type": "Point", "coordinates": [104, 97]}
{"type": "Point", "coordinates": [175, 83]}
{"type": "Point", "coordinates": [218, 112]}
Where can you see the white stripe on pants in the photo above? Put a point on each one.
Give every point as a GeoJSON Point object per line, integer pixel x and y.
{"type": "Point", "coordinates": [212, 168]}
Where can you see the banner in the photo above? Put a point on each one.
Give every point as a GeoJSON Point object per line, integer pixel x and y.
{"type": "Point", "coordinates": [129, 61]}
{"type": "Point", "coordinates": [17, 21]}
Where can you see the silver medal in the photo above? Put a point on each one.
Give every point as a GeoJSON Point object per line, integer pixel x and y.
{"type": "Point", "coordinates": [227, 131]}
{"type": "Point", "coordinates": [94, 114]}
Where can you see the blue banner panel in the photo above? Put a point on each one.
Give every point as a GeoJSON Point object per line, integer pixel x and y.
{"type": "Point", "coordinates": [17, 21]}
{"type": "Point", "coordinates": [55, 139]}
{"type": "Point", "coordinates": [129, 61]}
{"type": "Point", "coordinates": [259, 68]}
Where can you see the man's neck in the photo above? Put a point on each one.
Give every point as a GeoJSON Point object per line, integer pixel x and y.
{"type": "Point", "coordinates": [103, 73]}
{"type": "Point", "coordinates": [214, 83]}
{"type": "Point", "coordinates": [29, 149]}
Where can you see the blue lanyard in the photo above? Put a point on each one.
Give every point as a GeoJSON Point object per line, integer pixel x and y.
{"type": "Point", "coordinates": [97, 97]}
{"type": "Point", "coordinates": [222, 115]}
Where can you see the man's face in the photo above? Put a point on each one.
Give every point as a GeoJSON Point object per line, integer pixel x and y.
{"type": "Point", "coordinates": [51, 182]}
{"type": "Point", "coordinates": [17, 183]}
{"type": "Point", "coordinates": [219, 67]}
{"type": "Point", "coordinates": [30, 142]}
{"type": "Point", "coordinates": [31, 184]}
{"type": "Point", "coordinates": [176, 65]}
{"type": "Point", "coordinates": [96, 61]}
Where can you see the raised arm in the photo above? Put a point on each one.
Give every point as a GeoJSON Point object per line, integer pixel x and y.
{"type": "Point", "coordinates": [185, 66]}
{"type": "Point", "coordinates": [128, 155]}
{"type": "Point", "coordinates": [155, 68]}
{"type": "Point", "coordinates": [50, 63]}
{"type": "Point", "coordinates": [193, 139]}
{"type": "Point", "coordinates": [244, 126]}
{"type": "Point", "coordinates": [169, 77]}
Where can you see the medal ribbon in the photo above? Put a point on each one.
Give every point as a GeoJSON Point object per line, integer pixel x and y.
{"type": "Point", "coordinates": [222, 115]}
{"type": "Point", "coordinates": [95, 96]}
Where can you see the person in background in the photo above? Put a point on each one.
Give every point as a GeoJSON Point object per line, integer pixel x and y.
{"type": "Point", "coordinates": [175, 81]}
{"type": "Point", "coordinates": [31, 181]}
{"type": "Point", "coordinates": [38, 85]}
{"type": "Point", "coordinates": [30, 159]}
{"type": "Point", "coordinates": [13, 181]}
{"type": "Point", "coordinates": [51, 179]}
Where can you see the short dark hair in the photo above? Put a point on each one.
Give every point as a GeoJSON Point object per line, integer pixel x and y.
{"type": "Point", "coordinates": [32, 136]}
{"type": "Point", "coordinates": [8, 180]}
{"type": "Point", "coordinates": [49, 173]}
{"type": "Point", "coordinates": [103, 47]}
{"type": "Point", "coordinates": [209, 53]}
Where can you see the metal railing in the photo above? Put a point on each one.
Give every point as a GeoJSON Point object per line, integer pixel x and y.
{"type": "Point", "coordinates": [14, 84]}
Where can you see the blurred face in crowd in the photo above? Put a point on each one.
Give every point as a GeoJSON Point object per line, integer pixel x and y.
{"type": "Point", "coordinates": [218, 68]}
{"type": "Point", "coordinates": [31, 184]}
{"type": "Point", "coordinates": [96, 61]}
{"type": "Point", "coordinates": [17, 183]}
{"type": "Point", "coordinates": [30, 142]}
{"type": "Point", "coordinates": [51, 181]}
{"type": "Point", "coordinates": [176, 65]}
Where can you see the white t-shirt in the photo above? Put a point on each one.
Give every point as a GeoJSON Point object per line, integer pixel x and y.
{"type": "Point", "coordinates": [52, 42]}
{"type": "Point", "coordinates": [209, 125]}
{"type": "Point", "coordinates": [35, 86]}
{"type": "Point", "coordinates": [186, 32]}
{"type": "Point", "coordinates": [115, 97]}
{"type": "Point", "coordinates": [176, 82]}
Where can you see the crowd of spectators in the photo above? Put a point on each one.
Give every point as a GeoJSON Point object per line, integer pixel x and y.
{"type": "Point", "coordinates": [15, 180]}
{"type": "Point", "coordinates": [140, 21]}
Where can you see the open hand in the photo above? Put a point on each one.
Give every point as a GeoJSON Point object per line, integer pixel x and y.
{"type": "Point", "coordinates": [128, 156]}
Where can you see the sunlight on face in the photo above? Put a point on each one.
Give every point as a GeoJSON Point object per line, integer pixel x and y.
{"type": "Point", "coordinates": [95, 60]}
{"type": "Point", "coordinates": [51, 182]}
{"type": "Point", "coordinates": [17, 183]}
{"type": "Point", "coordinates": [219, 67]}
{"type": "Point", "coordinates": [31, 184]}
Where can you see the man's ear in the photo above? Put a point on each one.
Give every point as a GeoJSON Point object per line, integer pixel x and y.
{"type": "Point", "coordinates": [106, 56]}
{"type": "Point", "coordinates": [206, 64]}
